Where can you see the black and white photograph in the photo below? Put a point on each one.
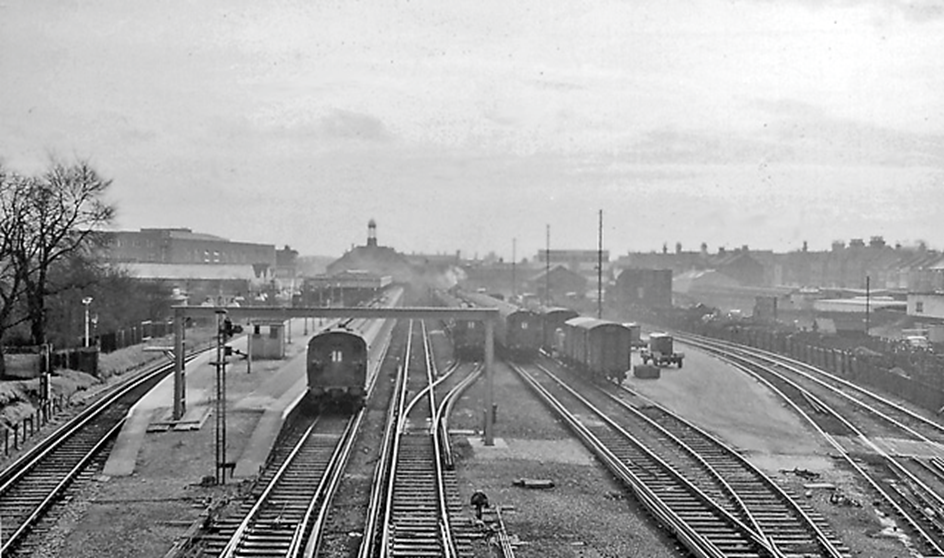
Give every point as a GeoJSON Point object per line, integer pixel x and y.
{"type": "Point", "coordinates": [420, 279]}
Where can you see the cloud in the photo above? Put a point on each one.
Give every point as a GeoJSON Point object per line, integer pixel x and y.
{"type": "Point", "coordinates": [342, 124]}
{"type": "Point", "coordinates": [812, 133]}
{"type": "Point", "coordinates": [787, 131]}
{"type": "Point", "coordinates": [556, 85]}
{"type": "Point", "coordinates": [913, 10]}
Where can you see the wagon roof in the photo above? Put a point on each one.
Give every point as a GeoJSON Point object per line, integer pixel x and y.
{"type": "Point", "coordinates": [505, 308]}
{"type": "Point", "coordinates": [336, 332]}
{"type": "Point", "coordinates": [556, 310]}
{"type": "Point", "coordinates": [584, 322]}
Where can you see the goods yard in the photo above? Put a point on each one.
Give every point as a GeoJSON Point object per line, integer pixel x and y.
{"type": "Point", "coordinates": [373, 439]}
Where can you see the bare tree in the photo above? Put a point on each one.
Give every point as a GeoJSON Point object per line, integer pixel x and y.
{"type": "Point", "coordinates": [63, 213]}
{"type": "Point", "coordinates": [12, 214]}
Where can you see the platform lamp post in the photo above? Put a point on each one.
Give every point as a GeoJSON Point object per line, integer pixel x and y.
{"type": "Point", "coordinates": [85, 302]}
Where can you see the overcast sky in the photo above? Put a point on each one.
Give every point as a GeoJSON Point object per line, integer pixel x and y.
{"type": "Point", "coordinates": [463, 125]}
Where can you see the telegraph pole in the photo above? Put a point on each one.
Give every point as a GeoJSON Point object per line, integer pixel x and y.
{"type": "Point", "coordinates": [867, 301]}
{"type": "Point", "coordinates": [547, 266]}
{"type": "Point", "coordinates": [600, 268]}
{"type": "Point", "coordinates": [514, 278]}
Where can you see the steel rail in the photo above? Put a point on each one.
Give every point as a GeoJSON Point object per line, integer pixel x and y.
{"type": "Point", "coordinates": [822, 536]}
{"type": "Point", "coordinates": [313, 545]}
{"type": "Point", "coordinates": [726, 488]}
{"type": "Point", "coordinates": [697, 543]}
{"type": "Point", "coordinates": [877, 486]}
{"type": "Point", "coordinates": [19, 471]}
{"type": "Point", "coordinates": [445, 410]}
{"type": "Point", "coordinates": [375, 506]}
{"type": "Point", "coordinates": [816, 375]}
{"type": "Point", "coordinates": [902, 471]}
{"type": "Point", "coordinates": [14, 539]}
{"type": "Point", "coordinates": [445, 522]}
{"type": "Point", "coordinates": [393, 430]}
{"type": "Point", "coordinates": [425, 394]}
{"type": "Point", "coordinates": [29, 459]}
{"type": "Point", "coordinates": [254, 517]}
{"type": "Point", "coordinates": [307, 473]}
{"type": "Point", "coordinates": [504, 541]}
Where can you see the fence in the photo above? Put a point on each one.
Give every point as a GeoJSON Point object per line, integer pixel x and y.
{"type": "Point", "coordinates": [915, 375]}
{"type": "Point", "coordinates": [20, 432]}
{"type": "Point", "coordinates": [134, 335]}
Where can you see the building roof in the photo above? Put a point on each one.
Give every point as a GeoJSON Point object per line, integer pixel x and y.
{"type": "Point", "coordinates": [190, 271]}
{"type": "Point", "coordinates": [558, 269]}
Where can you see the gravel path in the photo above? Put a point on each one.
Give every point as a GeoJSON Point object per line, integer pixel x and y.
{"type": "Point", "coordinates": [586, 514]}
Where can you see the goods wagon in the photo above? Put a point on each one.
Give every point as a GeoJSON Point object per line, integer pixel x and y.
{"type": "Point", "coordinates": [552, 320]}
{"type": "Point", "coordinates": [519, 331]}
{"type": "Point", "coordinates": [342, 359]}
{"type": "Point", "coordinates": [635, 331]}
{"type": "Point", "coordinates": [600, 349]}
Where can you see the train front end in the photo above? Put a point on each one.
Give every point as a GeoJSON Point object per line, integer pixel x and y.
{"type": "Point", "coordinates": [337, 368]}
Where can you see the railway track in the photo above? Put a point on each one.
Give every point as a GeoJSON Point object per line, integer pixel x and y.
{"type": "Point", "coordinates": [414, 511]}
{"type": "Point", "coordinates": [877, 437]}
{"type": "Point", "coordinates": [715, 503]}
{"type": "Point", "coordinates": [287, 509]}
{"type": "Point", "coordinates": [278, 522]}
{"type": "Point", "coordinates": [32, 487]}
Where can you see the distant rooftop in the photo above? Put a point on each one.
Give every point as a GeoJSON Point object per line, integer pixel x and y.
{"type": "Point", "coordinates": [184, 234]}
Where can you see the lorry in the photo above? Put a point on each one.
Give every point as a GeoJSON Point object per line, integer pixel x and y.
{"type": "Point", "coordinates": [660, 351]}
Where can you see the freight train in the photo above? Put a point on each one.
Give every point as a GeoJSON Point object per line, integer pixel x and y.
{"type": "Point", "coordinates": [342, 359]}
{"type": "Point", "coordinates": [552, 320]}
{"type": "Point", "coordinates": [519, 332]}
{"type": "Point", "coordinates": [468, 336]}
{"type": "Point", "coordinates": [598, 349]}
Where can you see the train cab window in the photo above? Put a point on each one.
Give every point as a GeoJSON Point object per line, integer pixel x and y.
{"type": "Point", "coordinates": [337, 355]}
{"type": "Point", "coordinates": [471, 325]}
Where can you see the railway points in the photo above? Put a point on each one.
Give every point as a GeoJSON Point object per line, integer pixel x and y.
{"type": "Point", "coordinates": [278, 390]}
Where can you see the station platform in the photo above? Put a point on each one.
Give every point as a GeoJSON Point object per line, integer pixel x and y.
{"type": "Point", "coordinates": [271, 395]}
